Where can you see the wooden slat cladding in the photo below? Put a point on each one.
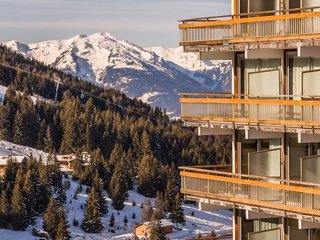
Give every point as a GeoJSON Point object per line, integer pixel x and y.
{"type": "Point", "coordinates": [250, 101]}
{"type": "Point", "coordinates": [249, 20]}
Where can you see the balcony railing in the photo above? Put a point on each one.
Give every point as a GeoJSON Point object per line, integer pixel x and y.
{"type": "Point", "coordinates": [283, 195]}
{"type": "Point", "coordinates": [253, 27]}
{"type": "Point", "coordinates": [269, 110]}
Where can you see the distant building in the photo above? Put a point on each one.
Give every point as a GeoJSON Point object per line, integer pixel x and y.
{"type": "Point", "coordinates": [5, 159]}
{"type": "Point", "coordinates": [67, 161]}
{"type": "Point", "coordinates": [143, 229]}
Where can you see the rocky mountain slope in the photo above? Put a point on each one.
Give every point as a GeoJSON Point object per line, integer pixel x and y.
{"type": "Point", "coordinates": [155, 75]}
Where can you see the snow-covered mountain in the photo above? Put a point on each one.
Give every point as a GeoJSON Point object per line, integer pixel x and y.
{"type": "Point", "coordinates": [155, 75]}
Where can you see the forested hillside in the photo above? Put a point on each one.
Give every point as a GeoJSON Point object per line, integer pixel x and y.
{"type": "Point", "coordinates": [127, 149]}
{"type": "Point", "coordinates": [77, 122]}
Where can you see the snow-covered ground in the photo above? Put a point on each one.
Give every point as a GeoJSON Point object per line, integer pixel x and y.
{"type": "Point", "coordinates": [201, 222]}
{"type": "Point", "coordinates": [7, 148]}
{"type": "Point", "coordinates": [34, 98]}
{"type": "Point", "coordinates": [196, 221]}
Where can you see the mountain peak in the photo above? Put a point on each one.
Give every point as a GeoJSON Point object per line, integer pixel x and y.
{"type": "Point", "coordinates": [154, 75]}
{"type": "Point", "coordinates": [101, 36]}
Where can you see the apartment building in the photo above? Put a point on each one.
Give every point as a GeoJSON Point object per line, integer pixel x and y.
{"type": "Point", "coordinates": [272, 114]}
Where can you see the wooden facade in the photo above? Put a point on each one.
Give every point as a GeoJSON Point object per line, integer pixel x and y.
{"type": "Point", "coordinates": [272, 113]}
{"type": "Point", "coordinates": [143, 230]}
{"type": "Point", "coordinates": [5, 158]}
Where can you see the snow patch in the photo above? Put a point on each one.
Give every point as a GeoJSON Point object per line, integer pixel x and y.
{"type": "Point", "coordinates": [145, 97]}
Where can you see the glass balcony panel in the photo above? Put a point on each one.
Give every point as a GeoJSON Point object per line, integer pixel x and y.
{"type": "Point", "coordinates": [293, 196]}
{"type": "Point", "coordinates": [251, 109]}
{"type": "Point", "coordinates": [274, 234]}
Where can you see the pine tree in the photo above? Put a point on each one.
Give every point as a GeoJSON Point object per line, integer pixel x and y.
{"type": "Point", "coordinates": [92, 222]}
{"type": "Point", "coordinates": [7, 114]}
{"type": "Point", "coordinates": [159, 212]}
{"type": "Point", "coordinates": [89, 136]}
{"type": "Point", "coordinates": [29, 192]}
{"type": "Point", "coordinates": [148, 176]}
{"type": "Point", "coordinates": [6, 122]}
{"type": "Point", "coordinates": [51, 218]}
{"type": "Point", "coordinates": [48, 144]}
{"type": "Point", "coordinates": [125, 220]}
{"type": "Point", "coordinates": [177, 214]}
{"type": "Point", "coordinates": [56, 179]}
{"type": "Point", "coordinates": [44, 193]}
{"type": "Point", "coordinates": [71, 132]}
{"type": "Point", "coordinates": [19, 176]}
{"type": "Point", "coordinates": [97, 186]}
{"type": "Point", "coordinates": [26, 124]}
{"type": "Point", "coordinates": [131, 169]}
{"type": "Point", "coordinates": [18, 208]}
{"type": "Point", "coordinates": [116, 156]}
{"type": "Point", "coordinates": [41, 135]}
{"type": "Point", "coordinates": [62, 228]}
{"type": "Point", "coordinates": [4, 209]}
{"type": "Point", "coordinates": [10, 173]}
{"type": "Point", "coordinates": [157, 231]}
{"type": "Point", "coordinates": [147, 211]}
{"type": "Point", "coordinates": [112, 220]}
{"type": "Point", "coordinates": [78, 166]}
{"type": "Point", "coordinates": [118, 186]}
{"type": "Point", "coordinates": [172, 188]}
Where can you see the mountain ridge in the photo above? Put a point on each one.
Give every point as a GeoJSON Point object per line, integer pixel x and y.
{"type": "Point", "coordinates": [154, 75]}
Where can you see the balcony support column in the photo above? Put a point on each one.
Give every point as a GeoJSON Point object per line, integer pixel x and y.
{"type": "Point", "coordinates": [236, 224]}
{"type": "Point", "coordinates": [235, 155]}
{"type": "Point", "coordinates": [235, 6]}
{"type": "Point", "coordinates": [285, 228]}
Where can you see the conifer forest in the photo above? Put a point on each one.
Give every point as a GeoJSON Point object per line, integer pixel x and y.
{"type": "Point", "coordinates": [131, 146]}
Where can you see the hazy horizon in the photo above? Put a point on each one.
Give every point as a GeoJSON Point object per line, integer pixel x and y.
{"type": "Point", "coordinates": [144, 22]}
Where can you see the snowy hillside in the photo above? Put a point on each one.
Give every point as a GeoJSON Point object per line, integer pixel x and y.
{"type": "Point", "coordinates": [200, 222]}
{"type": "Point", "coordinates": [196, 222]}
{"type": "Point", "coordinates": [8, 148]}
{"type": "Point", "coordinates": [213, 74]}
{"type": "Point", "coordinates": [154, 75]}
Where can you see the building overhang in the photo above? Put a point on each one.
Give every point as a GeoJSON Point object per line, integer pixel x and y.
{"type": "Point", "coordinates": [306, 219]}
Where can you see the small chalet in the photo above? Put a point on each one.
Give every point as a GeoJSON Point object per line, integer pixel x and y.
{"type": "Point", "coordinates": [143, 229]}
{"type": "Point", "coordinates": [5, 158]}
{"type": "Point", "coordinates": [66, 161]}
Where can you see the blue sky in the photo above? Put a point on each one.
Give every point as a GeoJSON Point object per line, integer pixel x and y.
{"type": "Point", "coordinates": [144, 22]}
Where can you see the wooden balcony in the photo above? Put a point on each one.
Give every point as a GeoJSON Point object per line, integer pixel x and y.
{"type": "Point", "coordinates": [275, 196]}
{"type": "Point", "coordinates": [295, 24]}
{"type": "Point", "coordinates": [228, 109]}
